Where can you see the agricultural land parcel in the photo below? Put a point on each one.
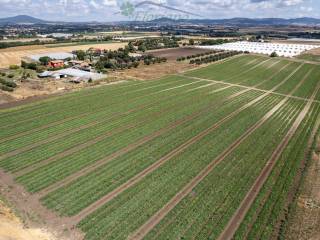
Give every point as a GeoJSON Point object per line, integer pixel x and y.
{"type": "Point", "coordinates": [182, 157]}
{"type": "Point", "coordinates": [14, 55]}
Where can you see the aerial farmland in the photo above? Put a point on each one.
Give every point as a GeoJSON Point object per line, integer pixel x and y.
{"type": "Point", "coordinates": [211, 153]}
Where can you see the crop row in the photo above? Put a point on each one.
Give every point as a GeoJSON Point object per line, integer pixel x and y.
{"type": "Point", "coordinates": [228, 69]}
{"type": "Point", "coordinates": [62, 103]}
{"type": "Point", "coordinates": [109, 113]}
{"type": "Point", "coordinates": [63, 167]}
{"type": "Point", "coordinates": [275, 68]}
{"type": "Point", "coordinates": [303, 73]}
{"type": "Point", "coordinates": [260, 70]}
{"type": "Point", "coordinates": [94, 106]}
{"type": "Point", "coordinates": [45, 151]}
{"type": "Point", "coordinates": [120, 170]}
{"type": "Point", "coordinates": [307, 88]}
{"type": "Point", "coordinates": [115, 219]}
{"type": "Point", "coordinates": [204, 213]}
{"type": "Point", "coordinates": [261, 220]}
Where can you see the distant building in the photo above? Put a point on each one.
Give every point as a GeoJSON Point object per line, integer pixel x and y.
{"type": "Point", "coordinates": [56, 63]}
{"type": "Point", "coordinates": [53, 55]}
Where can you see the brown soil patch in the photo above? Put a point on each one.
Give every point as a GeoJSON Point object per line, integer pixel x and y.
{"type": "Point", "coordinates": [174, 53]}
{"type": "Point", "coordinates": [11, 228]}
{"type": "Point", "coordinates": [144, 72]}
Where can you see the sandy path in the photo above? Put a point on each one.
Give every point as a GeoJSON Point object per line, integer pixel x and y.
{"type": "Point", "coordinates": [244, 207]}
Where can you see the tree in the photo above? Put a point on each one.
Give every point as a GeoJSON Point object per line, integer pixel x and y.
{"type": "Point", "coordinates": [44, 60]}
{"type": "Point", "coordinates": [142, 48]}
{"type": "Point", "coordinates": [80, 55]}
{"type": "Point", "coordinates": [274, 54]}
{"type": "Point", "coordinates": [191, 42]}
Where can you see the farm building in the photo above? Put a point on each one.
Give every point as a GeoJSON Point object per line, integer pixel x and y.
{"type": "Point", "coordinates": [284, 50]}
{"type": "Point", "coordinates": [84, 75]}
{"type": "Point", "coordinates": [56, 63]}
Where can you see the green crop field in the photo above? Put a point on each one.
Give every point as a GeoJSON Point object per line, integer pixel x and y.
{"type": "Point", "coordinates": [212, 153]}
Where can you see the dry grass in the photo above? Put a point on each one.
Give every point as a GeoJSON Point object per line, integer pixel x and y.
{"type": "Point", "coordinates": [14, 55]}
{"type": "Point", "coordinates": [144, 72]}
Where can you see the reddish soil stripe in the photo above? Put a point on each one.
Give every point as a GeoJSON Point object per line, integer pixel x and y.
{"type": "Point", "coordinates": [130, 147]}
{"type": "Point", "coordinates": [68, 132]}
{"type": "Point", "coordinates": [245, 205]}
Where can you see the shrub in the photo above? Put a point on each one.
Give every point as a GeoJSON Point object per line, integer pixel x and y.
{"type": "Point", "coordinates": [274, 54]}
{"type": "Point", "coordinates": [11, 75]}
{"type": "Point", "coordinates": [6, 88]}
{"type": "Point", "coordinates": [14, 67]}
{"type": "Point", "coordinates": [8, 83]}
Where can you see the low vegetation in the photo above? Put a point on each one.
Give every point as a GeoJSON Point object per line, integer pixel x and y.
{"type": "Point", "coordinates": [214, 58]}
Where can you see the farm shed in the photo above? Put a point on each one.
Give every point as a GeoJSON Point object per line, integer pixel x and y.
{"type": "Point", "coordinates": [81, 74]}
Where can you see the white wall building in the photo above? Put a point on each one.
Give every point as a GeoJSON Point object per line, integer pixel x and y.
{"type": "Point", "coordinates": [284, 50]}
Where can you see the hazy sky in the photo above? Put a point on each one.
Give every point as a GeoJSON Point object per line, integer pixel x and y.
{"type": "Point", "coordinates": [110, 10]}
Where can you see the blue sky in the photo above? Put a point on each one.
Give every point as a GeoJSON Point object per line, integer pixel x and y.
{"type": "Point", "coordinates": [110, 10]}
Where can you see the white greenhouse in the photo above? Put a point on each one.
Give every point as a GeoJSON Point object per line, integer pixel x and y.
{"type": "Point", "coordinates": [284, 50]}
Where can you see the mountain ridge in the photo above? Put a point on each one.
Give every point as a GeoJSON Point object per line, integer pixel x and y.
{"type": "Point", "coordinates": [25, 19]}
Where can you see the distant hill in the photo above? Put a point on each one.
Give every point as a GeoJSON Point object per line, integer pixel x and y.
{"type": "Point", "coordinates": [22, 19]}
{"type": "Point", "coordinates": [242, 21]}
{"type": "Point", "coordinates": [25, 19]}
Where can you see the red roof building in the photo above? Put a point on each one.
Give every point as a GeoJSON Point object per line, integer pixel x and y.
{"type": "Point", "coordinates": [56, 63]}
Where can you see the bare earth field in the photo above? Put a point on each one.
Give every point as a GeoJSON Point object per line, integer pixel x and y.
{"type": "Point", "coordinates": [144, 72]}
{"type": "Point", "coordinates": [11, 56]}
{"type": "Point", "coordinates": [174, 53]}
{"type": "Point", "coordinates": [11, 227]}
